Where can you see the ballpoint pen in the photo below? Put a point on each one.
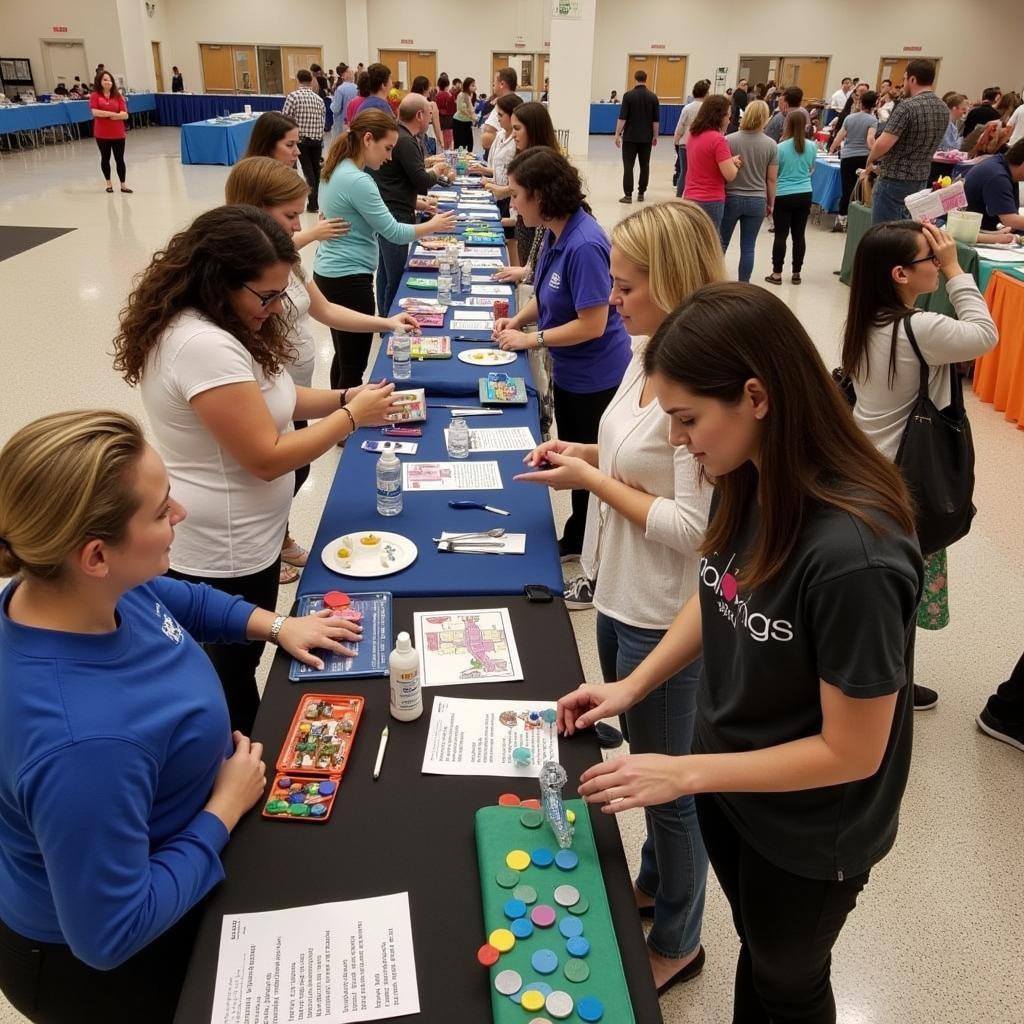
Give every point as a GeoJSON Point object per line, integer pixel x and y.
{"type": "Point", "coordinates": [476, 504]}
{"type": "Point", "coordinates": [380, 754]}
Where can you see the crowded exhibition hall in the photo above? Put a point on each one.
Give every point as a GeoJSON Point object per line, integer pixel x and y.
{"type": "Point", "coordinates": [507, 515]}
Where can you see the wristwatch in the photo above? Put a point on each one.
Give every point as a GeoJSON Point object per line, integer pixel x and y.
{"type": "Point", "coordinates": [540, 339]}
{"type": "Point", "coordinates": [274, 636]}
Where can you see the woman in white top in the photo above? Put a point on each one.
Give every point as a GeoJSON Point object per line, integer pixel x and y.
{"type": "Point", "coordinates": [205, 333]}
{"type": "Point", "coordinates": [645, 524]}
{"type": "Point", "coordinates": [502, 150]}
{"type": "Point", "coordinates": [895, 265]}
{"type": "Point", "coordinates": [268, 184]}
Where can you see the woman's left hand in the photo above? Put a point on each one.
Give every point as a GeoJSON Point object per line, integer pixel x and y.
{"type": "Point", "coordinates": [301, 635]}
{"type": "Point", "coordinates": [569, 473]}
{"type": "Point", "coordinates": [512, 340]}
{"type": "Point", "coordinates": [403, 320]}
{"type": "Point", "coordinates": [635, 780]}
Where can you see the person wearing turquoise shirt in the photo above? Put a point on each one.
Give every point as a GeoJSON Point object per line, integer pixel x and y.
{"type": "Point", "coordinates": [797, 154]}
{"type": "Point", "coordinates": [344, 267]}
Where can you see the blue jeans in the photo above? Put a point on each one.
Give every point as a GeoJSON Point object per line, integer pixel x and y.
{"type": "Point", "coordinates": [749, 211]}
{"type": "Point", "coordinates": [681, 180]}
{"type": "Point", "coordinates": [390, 267]}
{"type": "Point", "coordinates": [887, 199]}
{"type": "Point", "coordinates": [673, 862]}
{"type": "Point", "coordinates": [715, 210]}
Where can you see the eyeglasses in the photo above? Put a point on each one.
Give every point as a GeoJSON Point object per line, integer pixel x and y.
{"type": "Point", "coordinates": [267, 300]}
{"type": "Point", "coordinates": [924, 259]}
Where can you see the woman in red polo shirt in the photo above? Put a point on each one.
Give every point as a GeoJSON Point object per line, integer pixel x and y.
{"type": "Point", "coordinates": [109, 113]}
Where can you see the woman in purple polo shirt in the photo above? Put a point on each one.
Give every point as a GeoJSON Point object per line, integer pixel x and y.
{"type": "Point", "coordinates": [590, 348]}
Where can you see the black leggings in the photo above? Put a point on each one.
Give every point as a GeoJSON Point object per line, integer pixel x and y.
{"type": "Point", "coordinates": [236, 664]}
{"type": "Point", "coordinates": [787, 925]}
{"type": "Point", "coordinates": [848, 168]}
{"type": "Point", "coordinates": [351, 350]}
{"type": "Point", "coordinates": [48, 984]}
{"type": "Point", "coordinates": [115, 146]}
{"type": "Point", "coordinates": [578, 417]}
{"type": "Point", "coordinates": [790, 215]}
{"type": "Point", "coordinates": [462, 134]}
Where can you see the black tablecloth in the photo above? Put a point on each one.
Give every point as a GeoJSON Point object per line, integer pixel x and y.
{"type": "Point", "coordinates": [412, 832]}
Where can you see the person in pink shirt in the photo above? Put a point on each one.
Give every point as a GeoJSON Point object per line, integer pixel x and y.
{"type": "Point", "coordinates": [363, 84]}
{"type": "Point", "coordinates": [709, 161]}
{"type": "Point", "coordinates": [109, 113]}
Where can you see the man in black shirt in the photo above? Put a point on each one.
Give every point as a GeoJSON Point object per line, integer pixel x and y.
{"type": "Point", "coordinates": [984, 112]}
{"type": "Point", "coordinates": [400, 181]}
{"type": "Point", "coordinates": [636, 131]}
{"type": "Point", "coordinates": [739, 104]}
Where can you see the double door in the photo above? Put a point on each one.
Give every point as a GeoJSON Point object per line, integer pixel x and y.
{"type": "Point", "coordinates": [409, 64]}
{"type": "Point", "coordinates": [666, 74]}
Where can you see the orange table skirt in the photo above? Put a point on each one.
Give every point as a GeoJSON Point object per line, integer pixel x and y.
{"type": "Point", "coordinates": [999, 375]}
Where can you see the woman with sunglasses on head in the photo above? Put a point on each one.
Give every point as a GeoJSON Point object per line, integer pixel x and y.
{"type": "Point", "coordinates": [269, 185]}
{"type": "Point", "coordinates": [276, 135]}
{"type": "Point", "coordinates": [806, 591]}
{"type": "Point", "coordinates": [120, 779]}
{"type": "Point", "coordinates": [646, 521]}
{"type": "Point", "coordinates": [206, 335]}
{"type": "Point", "coordinates": [895, 264]}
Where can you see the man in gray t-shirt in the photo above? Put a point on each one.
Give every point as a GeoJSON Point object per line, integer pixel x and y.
{"type": "Point", "coordinates": [792, 98]}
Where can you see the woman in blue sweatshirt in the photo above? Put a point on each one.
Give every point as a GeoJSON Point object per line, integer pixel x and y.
{"type": "Point", "coordinates": [120, 779]}
{"type": "Point", "coordinates": [344, 267]}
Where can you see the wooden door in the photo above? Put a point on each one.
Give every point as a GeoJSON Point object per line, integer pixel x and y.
{"type": "Point", "coordinates": [246, 74]}
{"type": "Point", "coordinates": [543, 59]}
{"type": "Point", "coordinates": [641, 62]}
{"type": "Point", "coordinates": [422, 62]}
{"type": "Point", "coordinates": [158, 68]}
{"type": "Point", "coordinates": [294, 59]}
{"type": "Point", "coordinates": [670, 78]}
{"type": "Point", "coordinates": [895, 69]}
{"type": "Point", "coordinates": [498, 61]}
{"type": "Point", "coordinates": [218, 70]}
{"type": "Point", "coordinates": [810, 73]}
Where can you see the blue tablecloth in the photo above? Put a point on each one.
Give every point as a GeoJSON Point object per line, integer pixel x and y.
{"type": "Point", "coordinates": [175, 108]}
{"type": "Point", "coordinates": [604, 115]}
{"type": "Point", "coordinates": [352, 506]}
{"type": "Point", "coordinates": [205, 143]}
{"type": "Point", "coordinates": [826, 185]}
{"type": "Point", "coordinates": [33, 116]}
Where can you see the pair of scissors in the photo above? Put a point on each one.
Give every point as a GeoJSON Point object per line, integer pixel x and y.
{"type": "Point", "coordinates": [476, 504]}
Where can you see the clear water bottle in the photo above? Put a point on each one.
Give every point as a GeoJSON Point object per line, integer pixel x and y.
{"type": "Point", "coordinates": [389, 485]}
{"type": "Point", "coordinates": [458, 439]}
{"type": "Point", "coordinates": [401, 355]}
{"type": "Point", "coordinates": [467, 277]}
{"type": "Point", "coordinates": [444, 284]}
{"type": "Point", "coordinates": [456, 272]}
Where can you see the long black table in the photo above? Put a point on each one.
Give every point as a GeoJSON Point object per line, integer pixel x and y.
{"type": "Point", "coordinates": [413, 832]}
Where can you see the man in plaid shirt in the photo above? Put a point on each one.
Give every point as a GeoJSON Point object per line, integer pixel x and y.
{"type": "Point", "coordinates": [907, 143]}
{"type": "Point", "coordinates": [307, 109]}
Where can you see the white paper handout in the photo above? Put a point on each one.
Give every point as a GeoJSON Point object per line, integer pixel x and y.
{"type": "Point", "coordinates": [490, 289]}
{"type": "Point", "coordinates": [464, 324]}
{"type": "Point", "coordinates": [469, 646]}
{"type": "Point", "coordinates": [337, 962]}
{"type": "Point", "coordinates": [477, 314]}
{"type": "Point", "coordinates": [474, 302]}
{"type": "Point", "coordinates": [477, 737]}
{"type": "Point", "coordinates": [500, 439]}
{"type": "Point", "coordinates": [451, 476]}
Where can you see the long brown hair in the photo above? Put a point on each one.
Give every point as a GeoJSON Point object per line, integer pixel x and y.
{"type": "Point", "coordinates": [262, 181]}
{"type": "Point", "coordinates": [217, 254]}
{"type": "Point", "coordinates": [724, 335]}
{"type": "Point", "coordinates": [350, 145]}
{"type": "Point", "coordinates": [796, 129]}
{"type": "Point", "coordinates": [709, 117]}
{"type": "Point", "coordinates": [534, 117]}
{"type": "Point", "coordinates": [270, 128]}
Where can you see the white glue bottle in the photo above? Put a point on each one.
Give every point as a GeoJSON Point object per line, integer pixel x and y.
{"type": "Point", "coordinates": [406, 692]}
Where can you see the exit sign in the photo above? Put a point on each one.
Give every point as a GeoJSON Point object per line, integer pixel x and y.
{"type": "Point", "coordinates": [59, 28]}
{"type": "Point", "coordinates": [657, 46]}
{"type": "Point", "coordinates": [520, 46]}
{"type": "Point", "coordinates": [406, 42]}
{"type": "Point", "coordinates": [912, 49]}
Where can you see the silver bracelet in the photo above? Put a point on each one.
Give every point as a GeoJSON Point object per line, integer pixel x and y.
{"type": "Point", "coordinates": [274, 636]}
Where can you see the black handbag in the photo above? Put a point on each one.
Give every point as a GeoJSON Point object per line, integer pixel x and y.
{"type": "Point", "coordinates": [936, 458]}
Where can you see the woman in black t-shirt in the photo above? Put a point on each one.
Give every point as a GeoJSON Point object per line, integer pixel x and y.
{"type": "Point", "coordinates": [804, 614]}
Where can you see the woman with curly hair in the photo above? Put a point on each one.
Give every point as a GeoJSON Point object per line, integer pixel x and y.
{"type": "Point", "coordinates": [589, 345]}
{"type": "Point", "coordinates": [205, 334]}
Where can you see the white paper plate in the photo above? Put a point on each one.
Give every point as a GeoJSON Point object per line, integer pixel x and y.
{"type": "Point", "coordinates": [487, 357]}
{"type": "Point", "coordinates": [399, 551]}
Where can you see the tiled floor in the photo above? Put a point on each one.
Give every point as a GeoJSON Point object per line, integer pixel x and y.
{"type": "Point", "coordinates": [937, 936]}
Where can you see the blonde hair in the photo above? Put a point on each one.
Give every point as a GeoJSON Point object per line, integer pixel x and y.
{"type": "Point", "coordinates": [676, 245]}
{"type": "Point", "coordinates": [756, 116]}
{"type": "Point", "coordinates": [262, 181]}
{"type": "Point", "coordinates": [65, 479]}
{"type": "Point", "coordinates": [350, 145]}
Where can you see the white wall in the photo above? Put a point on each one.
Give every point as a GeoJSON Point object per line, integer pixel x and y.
{"type": "Point", "coordinates": [855, 36]}
{"type": "Point", "coordinates": [259, 22]}
{"type": "Point", "coordinates": [23, 25]}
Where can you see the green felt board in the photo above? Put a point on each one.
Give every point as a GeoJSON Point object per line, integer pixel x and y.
{"type": "Point", "coordinates": [498, 831]}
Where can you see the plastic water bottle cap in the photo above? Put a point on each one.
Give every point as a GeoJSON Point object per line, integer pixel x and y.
{"type": "Point", "coordinates": [403, 643]}
{"type": "Point", "coordinates": [388, 458]}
